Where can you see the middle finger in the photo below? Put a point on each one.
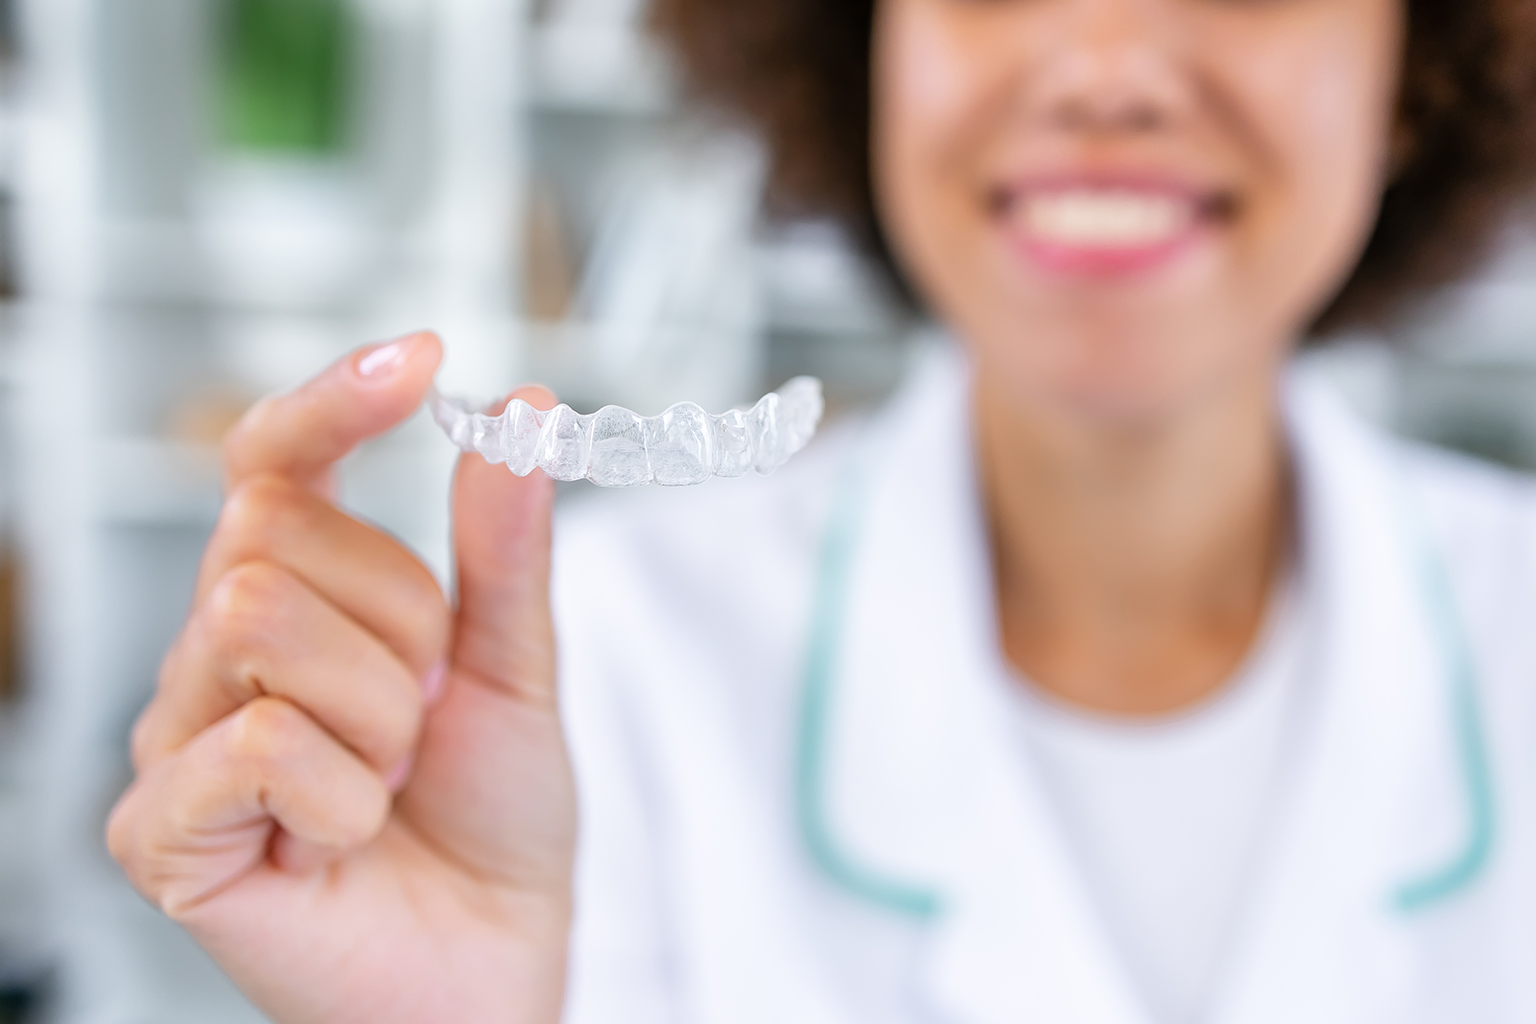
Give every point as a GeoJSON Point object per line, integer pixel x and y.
{"type": "Point", "coordinates": [360, 569]}
{"type": "Point", "coordinates": [264, 632]}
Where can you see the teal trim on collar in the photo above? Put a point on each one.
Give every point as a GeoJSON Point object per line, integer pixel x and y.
{"type": "Point", "coordinates": [819, 684]}
{"type": "Point", "coordinates": [1465, 711]}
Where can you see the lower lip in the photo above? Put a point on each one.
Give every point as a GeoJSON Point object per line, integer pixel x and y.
{"type": "Point", "coordinates": [1105, 261]}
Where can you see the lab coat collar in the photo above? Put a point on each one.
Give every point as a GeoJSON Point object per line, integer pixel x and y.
{"type": "Point", "coordinates": [1375, 800]}
{"type": "Point", "coordinates": [925, 783]}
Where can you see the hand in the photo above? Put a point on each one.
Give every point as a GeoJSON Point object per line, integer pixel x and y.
{"type": "Point", "coordinates": [356, 797]}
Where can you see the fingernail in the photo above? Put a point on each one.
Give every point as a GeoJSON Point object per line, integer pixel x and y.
{"type": "Point", "coordinates": [383, 360]}
{"type": "Point", "coordinates": [433, 683]}
{"type": "Point", "coordinates": [395, 780]}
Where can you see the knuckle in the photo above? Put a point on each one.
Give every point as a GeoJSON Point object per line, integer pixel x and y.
{"type": "Point", "coordinates": [128, 846]}
{"type": "Point", "coordinates": [141, 741]}
{"type": "Point", "coordinates": [121, 831]}
{"type": "Point", "coordinates": [265, 732]}
{"type": "Point", "coordinates": [242, 437]}
{"type": "Point", "coordinates": [257, 511]}
{"type": "Point", "coordinates": [244, 620]}
{"type": "Point", "coordinates": [246, 604]}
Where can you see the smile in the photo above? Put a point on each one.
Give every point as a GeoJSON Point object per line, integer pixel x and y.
{"type": "Point", "coordinates": [1100, 229]}
{"type": "Point", "coordinates": [1110, 218]}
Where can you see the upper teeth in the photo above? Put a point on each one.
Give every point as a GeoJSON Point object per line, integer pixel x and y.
{"type": "Point", "coordinates": [1105, 217]}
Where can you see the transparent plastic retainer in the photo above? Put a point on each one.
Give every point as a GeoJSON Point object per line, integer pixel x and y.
{"type": "Point", "coordinates": [614, 447]}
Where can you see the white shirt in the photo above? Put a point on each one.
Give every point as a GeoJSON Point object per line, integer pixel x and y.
{"type": "Point", "coordinates": [1165, 817]}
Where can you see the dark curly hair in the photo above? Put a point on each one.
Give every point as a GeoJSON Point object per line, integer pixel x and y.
{"type": "Point", "coordinates": [798, 71]}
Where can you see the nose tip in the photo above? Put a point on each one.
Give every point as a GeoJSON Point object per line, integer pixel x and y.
{"type": "Point", "coordinates": [1113, 72]}
{"type": "Point", "coordinates": [1109, 101]}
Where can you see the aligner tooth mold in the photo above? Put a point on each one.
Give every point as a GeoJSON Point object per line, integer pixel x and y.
{"type": "Point", "coordinates": [614, 447]}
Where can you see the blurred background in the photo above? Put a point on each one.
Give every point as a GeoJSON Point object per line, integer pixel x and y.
{"type": "Point", "coordinates": [205, 200]}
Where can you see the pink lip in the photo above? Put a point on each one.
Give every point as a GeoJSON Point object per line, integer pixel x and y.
{"type": "Point", "coordinates": [1104, 261]}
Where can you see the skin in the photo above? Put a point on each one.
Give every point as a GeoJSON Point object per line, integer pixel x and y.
{"type": "Point", "coordinates": [1127, 427]}
{"type": "Point", "coordinates": [324, 794]}
{"type": "Point", "coordinates": [357, 796]}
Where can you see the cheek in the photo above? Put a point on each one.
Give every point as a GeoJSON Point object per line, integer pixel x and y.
{"type": "Point", "coordinates": [920, 83]}
{"type": "Point", "coordinates": [1323, 116]}
{"type": "Point", "coordinates": [927, 90]}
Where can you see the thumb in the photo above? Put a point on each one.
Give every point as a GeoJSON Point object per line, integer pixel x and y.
{"type": "Point", "coordinates": [493, 781]}
{"type": "Point", "coordinates": [504, 633]}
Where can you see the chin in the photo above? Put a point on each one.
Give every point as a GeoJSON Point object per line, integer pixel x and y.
{"type": "Point", "coordinates": [1124, 375]}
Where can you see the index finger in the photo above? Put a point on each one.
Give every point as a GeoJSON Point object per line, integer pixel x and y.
{"type": "Point", "coordinates": [300, 434]}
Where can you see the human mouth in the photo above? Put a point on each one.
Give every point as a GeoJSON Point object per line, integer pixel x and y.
{"type": "Point", "coordinates": [1105, 218]}
{"type": "Point", "coordinates": [1095, 229]}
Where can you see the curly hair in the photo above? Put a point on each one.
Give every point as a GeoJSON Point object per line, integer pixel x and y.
{"type": "Point", "coordinates": [798, 71]}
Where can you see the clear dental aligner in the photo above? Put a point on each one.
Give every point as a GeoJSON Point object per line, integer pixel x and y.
{"type": "Point", "coordinates": [614, 447]}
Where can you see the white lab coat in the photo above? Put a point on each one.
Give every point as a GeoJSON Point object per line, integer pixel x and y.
{"type": "Point", "coordinates": [683, 619]}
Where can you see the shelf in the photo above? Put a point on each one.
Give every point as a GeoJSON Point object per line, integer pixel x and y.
{"type": "Point", "coordinates": [244, 259]}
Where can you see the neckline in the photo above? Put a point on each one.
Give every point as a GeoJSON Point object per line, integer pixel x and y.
{"type": "Point", "coordinates": [1260, 673]}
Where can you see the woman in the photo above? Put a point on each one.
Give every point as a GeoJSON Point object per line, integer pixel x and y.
{"type": "Point", "coordinates": [1108, 675]}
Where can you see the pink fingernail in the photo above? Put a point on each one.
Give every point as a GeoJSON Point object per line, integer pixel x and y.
{"type": "Point", "coordinates": [433, 683]}
{"type": "Point", "coordinates": [395, 780]}
{"type": "Point", "coordinates": [383, 361]}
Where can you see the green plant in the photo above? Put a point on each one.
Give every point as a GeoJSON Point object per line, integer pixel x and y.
{"type": "Point", "coordinates": [285, 74]}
